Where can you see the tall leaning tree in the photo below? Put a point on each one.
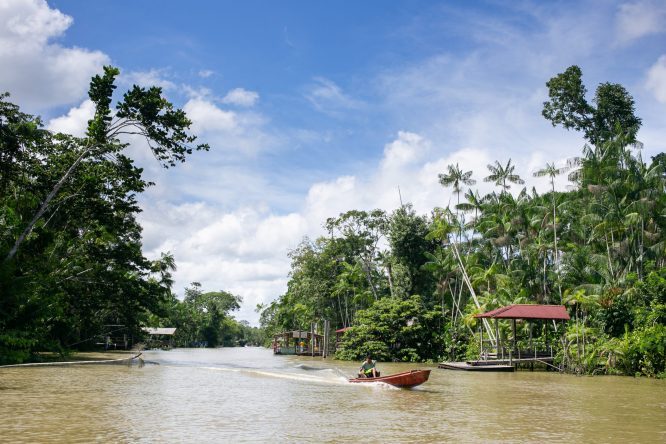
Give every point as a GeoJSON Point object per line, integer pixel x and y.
{"type": "Point", "coordinates": [141, 112]}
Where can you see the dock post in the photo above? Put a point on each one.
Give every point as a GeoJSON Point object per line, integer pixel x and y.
{"type": "Point", "coordinates": [500, 349]}
{"type": "Point", "coordinates": [326, 333]}
{"type": "Point", "coordinates": [515, 341]}
{"type": "Point", "coordinates": [312, 338]}
{"type": "Point", "coordinates": [546, 339]}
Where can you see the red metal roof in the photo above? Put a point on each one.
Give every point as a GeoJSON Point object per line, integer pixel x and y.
{"type": "Point", "coordinates": [528, 311]}
{"type": "Point", "coordinates": [342, 330]}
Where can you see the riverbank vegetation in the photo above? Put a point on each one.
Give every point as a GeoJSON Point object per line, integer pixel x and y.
{"type": "Point", "coordinates": [408, 285]}
{"type": "Point", "coordinates": [71, 260]}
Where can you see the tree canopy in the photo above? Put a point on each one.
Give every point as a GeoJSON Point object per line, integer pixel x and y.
{"type": "Point", "coordinates": [569, 107]}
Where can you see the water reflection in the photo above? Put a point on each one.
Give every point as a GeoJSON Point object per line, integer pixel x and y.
{"type": "Point", "coordinates": [248, 394]}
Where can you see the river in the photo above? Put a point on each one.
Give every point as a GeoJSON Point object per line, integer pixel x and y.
{"type": "Point", "coordinates": [249, 395]}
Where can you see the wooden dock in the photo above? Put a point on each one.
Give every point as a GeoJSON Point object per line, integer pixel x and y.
{"type": "Point", "coordinates": [477, 366]}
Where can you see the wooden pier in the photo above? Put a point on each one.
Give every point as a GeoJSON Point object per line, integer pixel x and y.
{"type": "Point", "coordinates": [473, 366]}
{"type": "Point", "coordinates": [303, 342]}
{"type": "Point", "coordinates": [498, 356]}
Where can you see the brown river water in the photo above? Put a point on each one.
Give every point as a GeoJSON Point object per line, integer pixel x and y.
{"type": "Point", "coordinates": [249, 395]}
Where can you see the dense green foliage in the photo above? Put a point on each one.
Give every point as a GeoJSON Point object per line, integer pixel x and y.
{"type": "Point", "coordinates": [202, 319]}
{"type": "Point", "coordinates": [407, 284]}
{"type": "Point", "coordinates": [70, 245]}
{"type": "Point", "coordinates": [404, 341]}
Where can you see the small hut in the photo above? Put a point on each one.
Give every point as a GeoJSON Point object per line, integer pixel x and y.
{"type": "Point", "coordinates": [298, 342]}
{"type": "Point", "coordinates": [159, 337]}
{"type": "Point", "coordinates": [501, 354]}
{"type": "Point", "coordinates": [530, 349]}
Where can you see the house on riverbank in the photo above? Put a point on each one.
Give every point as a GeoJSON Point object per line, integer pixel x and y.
{"type": "Point", "coordinates": [298, 342]}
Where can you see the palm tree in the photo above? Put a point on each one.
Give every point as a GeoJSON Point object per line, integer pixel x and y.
{"type": "Point", "coordinates": [551, 171]}
{"type": "Point", "coordinates": [503, 174]}
{"type": "Point", "coordinates": [474, 203]}
{"type": "Point", "coordinates": [442, 265]}
{"type": "Point", "coordinates": [456, 177]}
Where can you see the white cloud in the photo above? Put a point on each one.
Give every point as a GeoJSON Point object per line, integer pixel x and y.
{"type": "Point", "coordinates": [241, 97]}
{"type": "Point", "coordinates": [75, 122]}
{"type": "Point", "coordinates": [205, 73]}
{"type": "Point", "coordinates": [327, 199]}
{"type": "Point", "coordinates": [38, 72]}
{"type": "Point", "coordinates": [656, 79]}
{"type": "Point", "coordinates": [152, 77]}
{"type": "Point", "coordinates": [640, 18]}
{"type": "Point", "coordinates": [243, 251]}
{"type": "Point", "coordinates": [207, 117]}
{"type": "Point", "coordinates": [30, 24]}
{"type": "Point", "coordinates": [327, 97]}
{"type": "Point", "coordinates": [405, 150]}
{"type": "Point", "coordinates": [233, 133]}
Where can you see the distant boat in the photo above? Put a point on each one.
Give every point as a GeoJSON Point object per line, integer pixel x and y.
{"type": "Point", "coordinates": [408, 379]}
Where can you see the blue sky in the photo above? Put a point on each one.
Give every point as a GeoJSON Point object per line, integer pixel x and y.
{"type": "Point", "coordinates": [313, 108]}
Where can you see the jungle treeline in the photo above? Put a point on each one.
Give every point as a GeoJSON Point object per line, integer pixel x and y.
{"type": "Point", "coordinates": [72, 270]}
{"type": "Point", "coordinates": [406, 283]}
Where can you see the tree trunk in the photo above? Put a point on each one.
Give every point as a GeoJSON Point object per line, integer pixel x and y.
{"type": "Point", "coordinates": [45, 205]}
{"type": "Point", "coordinates": [557, 256]}
{"type": "Point", "coordinates": [366, 268]}
{"type": "Point", "coordinates": [545, 292]}
{"type": "Point", "coordinates": [610, 264]}
{"type": "Point", "coordinates": [493, 339]}
{"type": "Point", "coordinates": [390, 281]}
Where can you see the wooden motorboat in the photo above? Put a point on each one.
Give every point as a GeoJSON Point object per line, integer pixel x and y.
{"type": "Point", "coordinates": [408, 379]}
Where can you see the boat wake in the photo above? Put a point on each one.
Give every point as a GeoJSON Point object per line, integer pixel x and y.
{"type": "Point", "coordinates": [334, 377]}
{"type": "Point", "coordinates": [323, 376]}
{"type": "Point", "coordinates": [328, 379]}
{"type": "Point", "coordinates": [332, 370]}
{"type": "Point", "coordinates": [377, 385]}
{"type": "Point", "coordinates": [331, 378]}
{"type": "Point", "coordinates": [310, 368]}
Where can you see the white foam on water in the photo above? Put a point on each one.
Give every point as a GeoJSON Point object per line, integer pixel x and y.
{"type": "Point", "coordinates": [223, 369]}
{"type": "Point", "coordinates": [377, 385]}
{"type": "Point", "coordinates": [333, 377]}
{"type": "Point", "coordinates": [298, 377]}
